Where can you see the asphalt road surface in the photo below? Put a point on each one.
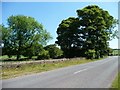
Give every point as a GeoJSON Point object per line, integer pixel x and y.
{"type": "Point", "coordinates": [97, 74]}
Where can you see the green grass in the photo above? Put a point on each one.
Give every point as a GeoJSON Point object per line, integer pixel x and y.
{"type": "Point", "coordinates": [12, 57]}
{"type": "Point", "coordinates": [3, 57]}
{"type": "Point", "coordinates": [116, 82]}
{"type": "Point", "coordinates": [36, 68]}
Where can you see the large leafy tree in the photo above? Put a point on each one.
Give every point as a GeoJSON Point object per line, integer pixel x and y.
{"type": "Point", "coordinates": [25, 33]}
{"type": "Point", "coordinates": [89, 33]}
{"type": "Point", "coordinates": [68, 36]}
{"type": "Point", "coordinates": [98, 28]}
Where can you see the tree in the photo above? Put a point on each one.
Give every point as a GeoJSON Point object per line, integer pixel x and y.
{"type": "Point", "coordinates": [98, 27]}
{"type": "Point", "coordinates": [44, 54]}
{"type": "Point", "coordinates": [54, 51]}
{"type": "Point", "coordinates": [89, 32]}
{"type": "Point", "coordinates": [1, 40]}
{"type": "Point", "coordinates": [5, 35]}
{"type": "Point", "coordinates": [68, 35]}
{"type": "Point", "coordinates": [25, 32]}
{"type": "Point", "coordinates": [90, 54]}
{"type": "Point", "coordinates": [34, 50]}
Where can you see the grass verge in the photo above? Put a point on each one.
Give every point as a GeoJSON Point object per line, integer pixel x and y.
{"type": "Point", "coordinates": [116, 82]}
{"type": "Point", "coordinates": [36, 68]}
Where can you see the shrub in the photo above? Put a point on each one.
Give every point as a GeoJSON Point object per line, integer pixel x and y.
{"type": "Point", "coordinates": [90, 54]}
{"type": "Point", "coordinates": [33, 51]}
{"type": "Point", "coordinates": [43, 55]}
{"type": "Point", "coordinates": [54, 51]}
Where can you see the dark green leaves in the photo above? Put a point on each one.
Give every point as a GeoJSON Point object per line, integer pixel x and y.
{"type": "Point", "coordinates": [87, 34]}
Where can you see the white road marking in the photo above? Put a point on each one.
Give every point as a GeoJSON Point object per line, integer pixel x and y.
{"type": "Point", "coordinates": [80, 71]}
{"type": "Point", "coordinates": [90, 67]}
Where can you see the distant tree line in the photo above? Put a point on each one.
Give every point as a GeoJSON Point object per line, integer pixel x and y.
{"type": "Point", "coordinates": [84, 36]}
{"type": "Point", "coordinates": [115, 52]}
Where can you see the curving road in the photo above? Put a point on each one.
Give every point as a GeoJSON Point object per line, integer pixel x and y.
{"type": "Point", "coordinates": [97, 74]}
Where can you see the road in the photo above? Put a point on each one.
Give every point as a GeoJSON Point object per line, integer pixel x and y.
{"type": "Point", "coordinates": [97, 74]}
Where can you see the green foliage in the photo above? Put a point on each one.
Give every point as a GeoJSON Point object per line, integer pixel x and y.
{"type": "Point", "coordinates": [91, 30]}
{"type": "Point", "coordinates": [98, 25]}
{"type": "Point", "coordinates": [116, 52]}
{"type": "Point", "coordinates": [90, 54]}
{"type": "Point", "coordinates": [68, 35]}
{"type": "Point", "coordinates": [54, 51]}
{"type": "Point", "coordinates": [44, 54]}
{"type": "Point", "coordinates": [8, 48]}
{"type": "Point", "coordinates": [23, 34]}
{"type": "Point", "coordinates": [109, 51]}
{"type": "Point", "coordinates": [33, 51]}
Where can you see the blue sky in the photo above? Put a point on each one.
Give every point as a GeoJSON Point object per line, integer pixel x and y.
{"type": "Point", "coordinates": [50, 14]}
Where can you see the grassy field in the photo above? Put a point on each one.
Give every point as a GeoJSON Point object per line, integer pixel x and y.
{"type": "Point", "coordinates": [36, 68]}
{"type": "Point", "coordinates": [116, 82]}
{"type": "Point", "coordinates": [5, 57]}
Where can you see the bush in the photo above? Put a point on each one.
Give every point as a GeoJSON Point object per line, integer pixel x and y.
{"type": "Point", "coordinates": [90, 54]}
{"type": "Point", "coordinates": [29, 52]}
{"type": "Point", "coordinates": [43, 55]}
{"type": "Point", "coordinates": [97, 55]}
{"type": "Point", "coordinates": [54, 51]}
{"type": "Point", "coordinates": [33, 51]}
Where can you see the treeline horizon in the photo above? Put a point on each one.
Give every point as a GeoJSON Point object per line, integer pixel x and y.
{"type": "Point", "coordinates": [84, 36]}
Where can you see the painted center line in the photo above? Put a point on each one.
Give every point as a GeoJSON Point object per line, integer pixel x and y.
{"type": "Point", "coordinates": [91, 67]}
{"type": "Point", "coordinates": [80, 71]}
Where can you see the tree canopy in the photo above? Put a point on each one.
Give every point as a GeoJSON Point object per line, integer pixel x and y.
{"type": "Point", "coordinates": [88, 34]}
{"type": "Point", "coordinates": [22, 33]}
{"type": "Point", "coordinates": [68, 35]}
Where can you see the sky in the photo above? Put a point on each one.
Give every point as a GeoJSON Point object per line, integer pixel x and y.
{"type": "Point", "coordinates": [50, 14]}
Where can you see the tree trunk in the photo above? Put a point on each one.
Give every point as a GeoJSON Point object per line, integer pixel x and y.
{"type": "Point", "coordinates": [18, 56]}
{"type": "Point", "coordinates": [19, 50]}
